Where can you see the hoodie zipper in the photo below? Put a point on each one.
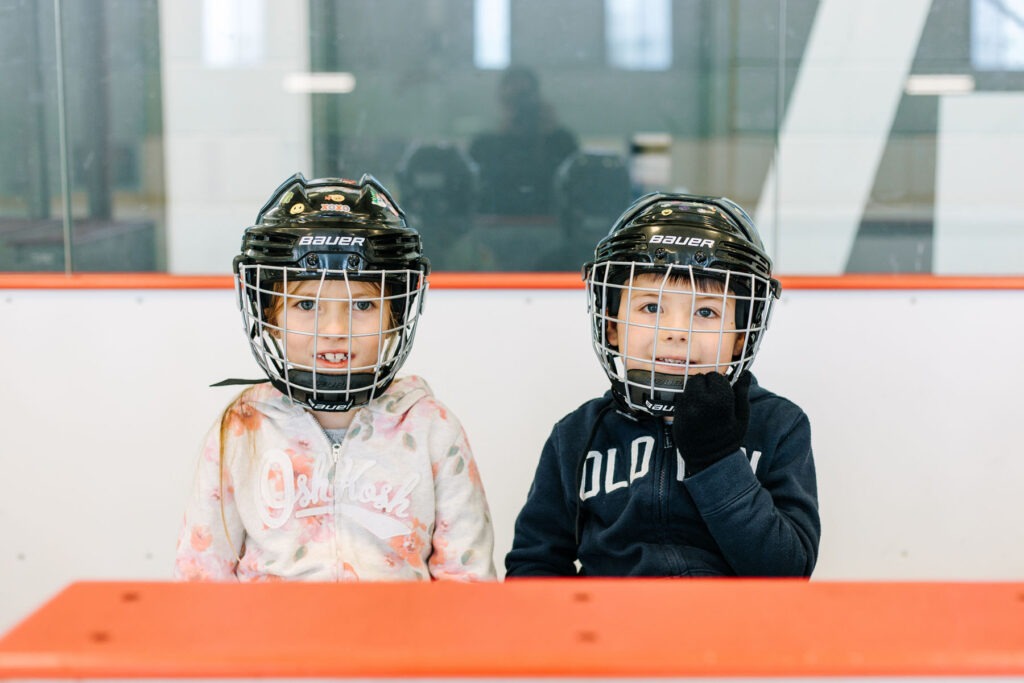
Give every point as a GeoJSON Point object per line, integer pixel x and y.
{"type": "Point", "coordinates": [668, 460]}
{"type": "Point", "coordinates": [335, 447]}
{"type": "Point", "coordinates": [334, 456]}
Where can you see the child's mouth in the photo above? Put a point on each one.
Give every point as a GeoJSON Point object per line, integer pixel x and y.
{"type": "Point", "coordinates": [335, 358]}
{"type": "Point", "coordinates": [672, 366]}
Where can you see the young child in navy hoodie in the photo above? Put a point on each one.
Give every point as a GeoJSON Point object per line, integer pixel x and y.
{"type": "Point", "coordinates": [687, 466]}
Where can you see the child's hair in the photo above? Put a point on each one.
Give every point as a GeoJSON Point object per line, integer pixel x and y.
{"type": "Point", "coordinates": [679, 278]}
{"type": "Point", "coordinates": [234, 407]}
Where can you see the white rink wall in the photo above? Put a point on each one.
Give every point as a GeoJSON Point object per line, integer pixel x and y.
{"type": "Point", "coordinates": [913, 398]}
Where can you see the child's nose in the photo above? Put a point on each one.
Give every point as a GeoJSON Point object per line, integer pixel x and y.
{"type": "Point", "coordinates": [334, 322]}
{"type": "Point", "coordinates": [674, 326]}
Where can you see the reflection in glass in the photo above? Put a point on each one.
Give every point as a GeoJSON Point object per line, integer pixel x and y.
{"type": "Point", "coordinates": [514, 128]}
{"type": "Point", "coordinates": [639, 34]}
{"type": "Point", "coordinates": [997, 34]}
{"type": "Point", "coordinates": [109, 97]}
{"type": "Point", "coordinates": [233, 33]}
{"type": "Point", "coordinates": [490, 34]}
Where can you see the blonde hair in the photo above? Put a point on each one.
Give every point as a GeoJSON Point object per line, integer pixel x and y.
{"type": "Point", "coordinates": [231, 411]}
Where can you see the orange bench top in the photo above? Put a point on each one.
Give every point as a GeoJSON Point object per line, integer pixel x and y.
{"type": "Point", "coordinates": [553, 627]}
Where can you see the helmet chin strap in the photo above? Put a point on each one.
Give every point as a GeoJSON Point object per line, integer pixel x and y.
{"type": "Point", "coordinates": [659, 400]}
{"type": "Point", "coordinates": [330, 393]}
{"type": "Point", "coordinates": [233, 381]}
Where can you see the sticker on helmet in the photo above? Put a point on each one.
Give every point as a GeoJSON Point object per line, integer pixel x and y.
{"type": "Point", "coordinates": [682, 241]}
{"type": "Point", "coordinates": [382, 202]}
{"type": "Point", "coordinates": [342, 208]}
{"type": "Point", "coordinates": [298, 208]}
{"type": "Point", "coordinates": [330, 240]}
{"type": "Point", "coordinates": [335, 197]}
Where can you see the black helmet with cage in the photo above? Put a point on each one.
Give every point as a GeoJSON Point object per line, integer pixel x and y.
{"type": "Point", "coordinates": [691, 244]}
{"type": "Point", "coordinates": [310, 234]}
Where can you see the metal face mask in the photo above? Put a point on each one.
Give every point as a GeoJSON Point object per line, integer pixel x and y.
{"type": "Point", "coordinates": [653, 327]}
{"type": "Point", "coordinates": [335, 340]}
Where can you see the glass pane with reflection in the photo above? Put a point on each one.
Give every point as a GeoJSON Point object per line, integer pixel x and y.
{"type": "Point", "coordinates": [514, 133]}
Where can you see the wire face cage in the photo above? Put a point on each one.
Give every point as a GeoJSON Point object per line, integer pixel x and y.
{"type": "Point", "coordinates": [330, 339]}
{"type": "Point", "coordinates": [654, 326]}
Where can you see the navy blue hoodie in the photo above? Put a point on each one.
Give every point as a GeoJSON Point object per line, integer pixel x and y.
{"type": "Point", "coordinates": [625, 508]}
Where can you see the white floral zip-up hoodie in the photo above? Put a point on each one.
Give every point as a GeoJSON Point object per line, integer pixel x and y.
{"type": "Point", "coordinates": [399, 499]}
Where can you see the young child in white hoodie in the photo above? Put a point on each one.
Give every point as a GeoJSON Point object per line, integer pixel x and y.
{"type": "Point", "coordinates": [333, 469]}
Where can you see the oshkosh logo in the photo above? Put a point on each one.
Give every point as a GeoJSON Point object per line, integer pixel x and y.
{"type": "Point", "coordinates": [330, 240]}
{"type": "Point", "coordinates": [682, 241]}
{"type": "Point", "coordinates": [378, 506]}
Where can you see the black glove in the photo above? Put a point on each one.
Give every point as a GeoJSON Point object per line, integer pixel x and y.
{"type": "Point", "coordinates": [710, 419]}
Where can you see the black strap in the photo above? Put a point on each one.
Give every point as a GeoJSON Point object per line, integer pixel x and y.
{"type": "Point", "coordinates": [232, 382]}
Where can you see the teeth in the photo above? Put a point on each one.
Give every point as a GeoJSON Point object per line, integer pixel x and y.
{"type": "Point", "coordinates": [670, 361]}
{"type": "Point", "coordinates": [334, 357]}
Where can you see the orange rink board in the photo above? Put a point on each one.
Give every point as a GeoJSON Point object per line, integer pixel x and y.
{"type": "Point", "coordinates": [524, 628]}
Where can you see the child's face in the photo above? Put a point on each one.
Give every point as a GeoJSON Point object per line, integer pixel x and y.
{"type": "Point", "coordinates": [333, 326]}
{"type": "Point", "coordinates": [666, 327]}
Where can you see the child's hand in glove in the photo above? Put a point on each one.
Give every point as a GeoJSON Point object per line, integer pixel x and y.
{"type": "Point", "coordinates": [710, 418]}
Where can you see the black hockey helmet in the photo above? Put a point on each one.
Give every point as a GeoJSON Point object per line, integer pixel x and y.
{"type": "Point", "coordinates": [321, 230]}
{"type": "Point", "coordinates": [681, 238]}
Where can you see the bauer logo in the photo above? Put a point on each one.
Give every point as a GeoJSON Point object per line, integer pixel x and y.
{"type": "Point", "coordinates": [331, 240]}
{"type": "Point", "coordinates": [682, 241]}
{"type": "Point", "coordinates": [329, 407]}
{"type": "Point", "coordinates": [660, 407]}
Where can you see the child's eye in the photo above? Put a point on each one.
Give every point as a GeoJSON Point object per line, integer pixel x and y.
{"type": "Point", "coordinates": [705, 312]}
{"type": "Point", "coordinates": [650, 308]}
{"type": "Point", "coordinates": [306, 304]}
{"type": "Point", "coordinates": [363, 305]}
